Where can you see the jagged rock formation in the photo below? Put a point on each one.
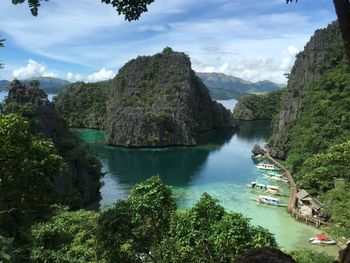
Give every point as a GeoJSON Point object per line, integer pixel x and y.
{"type": "Point", "coordinates": [83, 105]}
{"type": "Point", "coordinates": [81, 184]}
{"type": "Point", "coordinates": [159, 101]}
{"type": "Point", "coordinates": [257, 150]}
{"type": "Point", "coordinates": [307, 68]}
{"type": "Point", "coordinates": [258, 107]}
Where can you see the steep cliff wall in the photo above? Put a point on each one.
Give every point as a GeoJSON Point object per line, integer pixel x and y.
{"type": "Point", "coordinates": [307, 68]}
{"type": "Point", "coordinates": [82, 182]}
{"type": "Point", "coordinates": [159, 101]}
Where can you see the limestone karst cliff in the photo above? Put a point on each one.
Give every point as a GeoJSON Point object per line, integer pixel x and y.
{"type": "Point", "coordinates": [308, 67]}
{"type": "Point", "coordinates": [81, 184]}
{"type": "Point", "coordinates": [159, 101]}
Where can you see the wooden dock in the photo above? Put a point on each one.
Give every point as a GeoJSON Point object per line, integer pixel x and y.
{"type": "Point", "coordinates": [292, 204]}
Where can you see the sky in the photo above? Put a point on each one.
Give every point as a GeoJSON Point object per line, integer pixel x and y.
{"type": "Point", "coordinates": [86, 40]}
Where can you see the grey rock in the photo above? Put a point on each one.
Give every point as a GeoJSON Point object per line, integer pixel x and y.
{"type": "Point", "coordinates": [305, 70]}
{"type": "Point", "coordinates": [159, 101]}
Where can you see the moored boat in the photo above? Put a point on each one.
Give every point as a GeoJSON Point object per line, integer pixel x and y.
{"type": "Point", "coordinates": [322, 239]}
{"type": "Point", "coordinates": [272, 189]}
{"type": "Point", "coordinates": [268, 200]}
{"type": "Point", "coordinates": [276, 178]}
{"type": "Point", "coordinates": [266, 166]}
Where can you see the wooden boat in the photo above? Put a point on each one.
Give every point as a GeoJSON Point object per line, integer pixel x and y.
{"type": "Point", "coordinates": [266, 166]}
{"type": "Point", "coordinates": [268, 200]}
{"type": "Point", "coordinates": [276, 178]}
{"type": "Point", "coordinates": [322, 239]}
{"type": "Point", "coordinates": [272, 189]}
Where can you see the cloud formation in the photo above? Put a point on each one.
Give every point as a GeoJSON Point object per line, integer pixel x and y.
{"type": "Point", "coordinates": [101, 75]}
{"type": "Point", "coordinates": [232, 36]}
{"type": "Point", "coordinates": [33, 69]}
{"type": "Point", "coordinates": [74, 77]}
{"type": "Point", "coordinates": [254, 69]}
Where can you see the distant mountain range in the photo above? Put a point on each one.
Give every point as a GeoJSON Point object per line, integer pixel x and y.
{"type": "Point", "coordinates": [222, 86]}
{"type": "Point", "coordinates": [50, 85]}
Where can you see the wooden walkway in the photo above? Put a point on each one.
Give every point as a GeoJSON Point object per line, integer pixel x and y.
{"type": "Point", "coordinates": [292, 204]}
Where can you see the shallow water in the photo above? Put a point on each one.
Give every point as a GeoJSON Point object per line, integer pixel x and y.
{"type": "Point", "coordinates": [220, 165]}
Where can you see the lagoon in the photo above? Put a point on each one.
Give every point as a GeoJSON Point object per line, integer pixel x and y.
{"type": "Point", "coordinates": [220, 165]}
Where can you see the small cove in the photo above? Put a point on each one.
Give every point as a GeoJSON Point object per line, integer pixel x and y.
{"type": "Point", "coordinates": [220, 165]}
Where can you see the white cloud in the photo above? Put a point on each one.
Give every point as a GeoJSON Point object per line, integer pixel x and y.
{"type": "Point", "coordinates": [33, 69]}
{"type": "Point", "coordinates": [74, 77]}
{"type": "Point", "coordinates": [101, 75]}
{"type": "Point", "coordinates": [255, 69]}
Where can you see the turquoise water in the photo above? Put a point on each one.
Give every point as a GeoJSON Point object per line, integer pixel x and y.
{"type": "Point", "coordinates": [220, 165]}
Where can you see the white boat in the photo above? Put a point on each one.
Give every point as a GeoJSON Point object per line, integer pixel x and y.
{"type": "Point", "coordinates": [266, 166]}
{"type": "Point", "coordinates": [272, 189]}
{"type": "Point", "coordinates": [322, 239]}
{"type": "Point", "coordinates": [276, 178]}
{"type": "Point", "coordinates": [268, 200]}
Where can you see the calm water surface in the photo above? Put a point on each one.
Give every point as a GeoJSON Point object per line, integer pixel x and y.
{"type": "Point", "coordinates": [220, 165]}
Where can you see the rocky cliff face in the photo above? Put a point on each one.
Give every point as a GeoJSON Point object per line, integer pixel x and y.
{"type": "Point", "coordinates": [83, 105]}
{"type": "Point", "coordinates": [82, 183]}
{"type": "Point", "coordinates": [159, 101]}
{"type": "Point", "coordinates": [307, 67]}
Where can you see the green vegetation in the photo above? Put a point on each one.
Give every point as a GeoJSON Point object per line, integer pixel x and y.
{"type": "Point", "coordinates": [147, 226]}
{"type": "Point", "coordinates": [318, 143]}
{"type": "Point", "coordinates": [131, 10]}
{"type": "Point", "coordinates": [309, 256]}
{"type": "Point", "coordinates": [143, 228]}
{"type": "Point", "coordinates": [258, 107]}
{"type": "Point", "coordinates": [66, 237]}
{"type": "Point", "coordinates": [42, 164]}
{"type": "Point", "coordinates": [83, 105]}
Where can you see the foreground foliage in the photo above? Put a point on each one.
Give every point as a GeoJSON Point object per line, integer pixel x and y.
{"type": "Point", "coordinates": [67, 237]}
{"type": "Point", "coordinates": [147, 227]}
{"type": "Point", "coordinates": [28, 165]}
{"type": "Point", "coordinates": [309, 256]}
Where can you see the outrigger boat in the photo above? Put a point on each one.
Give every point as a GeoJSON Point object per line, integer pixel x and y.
{"type": "Point", "coordinates": [266, 166]}
{"type": "Point", "coordinates": [322, 239]}
{"type": "Point", "coordinates": [268, 200]}
{"type": "Point", "coordinates": [272, 189]}
{"type": "Point", "coordinates": [276, 177]}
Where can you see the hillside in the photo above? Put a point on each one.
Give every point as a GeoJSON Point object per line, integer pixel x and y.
{"type": "Point", "coordinates": [222, 86]}
{"type": "Point", "coordinates": [83, 104]}
{"type": "Point", "coordinates": [159, 101]}
{"type": "Point", "coordinates": [312, 131]}
{"type": "Point", "coordinates": [258, 107]}
{"type": "Point", "coordinates": [79, 183]}
{"type": "Point", "coordinates": [48, 84]}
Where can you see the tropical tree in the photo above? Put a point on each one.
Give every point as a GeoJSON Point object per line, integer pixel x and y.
{"type": "Point", "coordinates": [131, 9]}
{"type": "Point", "coordinates": [27, 167]}
{"type": "Point", "coordinates": [66, 237]}
{"type": "Point", "coordinates": [131, 229]}
{"type": "Point", "coordinates": [207, 233]}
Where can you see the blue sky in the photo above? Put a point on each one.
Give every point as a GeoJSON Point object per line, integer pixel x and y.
{"type": "Point", "coordinates": [87, 40]}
